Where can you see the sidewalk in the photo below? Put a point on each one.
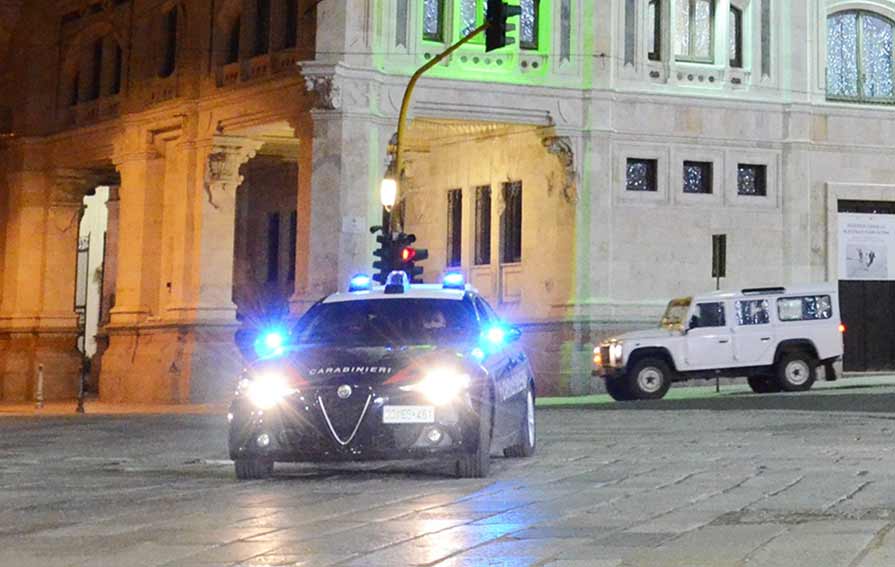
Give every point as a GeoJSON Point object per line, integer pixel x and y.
{"type": "Point", "coordinates": [96, 407]}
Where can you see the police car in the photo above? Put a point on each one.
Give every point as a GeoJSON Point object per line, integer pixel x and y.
{"type": "Point", "coordinates": [397, 371]}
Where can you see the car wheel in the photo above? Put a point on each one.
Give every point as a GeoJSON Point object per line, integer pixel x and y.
{"type": "Point", "coordinates": [649, 379]}
{"type": "Point", "coordinates": [253, 469]}
{"type": "Point", "coordinates": [763, 384]}
{"type": "Point", "coordinates": [477, 463]}
{"type": "Point", "coordinates": [796, 372]}
{"type": "Point", "coordinates": [527, 430]}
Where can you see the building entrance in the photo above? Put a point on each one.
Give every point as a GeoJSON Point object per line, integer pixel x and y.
{"type": "Point", "coordinates": [867, 286]}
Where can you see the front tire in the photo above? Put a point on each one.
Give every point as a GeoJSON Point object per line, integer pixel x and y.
{"type": "Point", "coordinates": [617, 388]}
{"type": "Point", "coordinates": [527, 437]}
{"type": "Point", "coordinates": [649, 379]}
{"type": "Point", "coordinates": [477, 463]}
{"type": "Point", "coordinates": [253, 469]}
{"type": "Point", "coordinates": [763, 384]}
{"type": "Point", "coordinates": [796, 372]}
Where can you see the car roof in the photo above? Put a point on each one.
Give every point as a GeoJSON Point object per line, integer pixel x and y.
{"type": "Point", "coordinates": [416, 291]}
{"type": "Point", "coordinates": [789, 290]}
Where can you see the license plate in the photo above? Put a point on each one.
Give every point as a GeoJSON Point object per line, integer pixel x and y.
{"type": "Point", "coordinates": [408, 414]}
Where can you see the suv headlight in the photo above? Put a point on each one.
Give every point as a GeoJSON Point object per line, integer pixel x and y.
{"type": "Point", "coordinates": [616, 353]}
{"type": "Point", "coordinates": [267, 390]}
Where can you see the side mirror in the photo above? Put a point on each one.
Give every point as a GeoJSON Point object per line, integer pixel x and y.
{"type": "Point", "coordinates": [694, 323]}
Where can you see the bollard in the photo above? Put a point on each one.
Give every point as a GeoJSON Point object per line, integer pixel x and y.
{"type": "Point", "coordinates": [82, 381]}
{"type": "Point", "coordinates": [39, 395]}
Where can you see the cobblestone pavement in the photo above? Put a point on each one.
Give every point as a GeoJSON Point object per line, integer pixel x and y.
{"type": "Point", "coordinates": [679, 484]}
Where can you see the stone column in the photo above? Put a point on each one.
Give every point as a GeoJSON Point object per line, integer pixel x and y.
{"type": "Point", "coordinates": [301, 298]}
{"type": "Point", "coordinates": [171, 335]}
{"type": "Point", "coordinates": [38, 325]}
{"type": "Point", "coordinates": [348, 163]}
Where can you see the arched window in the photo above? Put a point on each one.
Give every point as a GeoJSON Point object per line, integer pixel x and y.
{"type": "Point", "coordinates": [735, 37]}
{"type": "Point", "coordinates": [168, 61]}
{"type": "Point", "coordinates": [860, 57]}
{"type": "Point", "coordinates": [694, 23]}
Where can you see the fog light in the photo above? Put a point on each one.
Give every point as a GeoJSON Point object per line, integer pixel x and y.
{"type": "Point", "coordinates": [229, 417]}
{"type": "Point", "coordinates": [434, 436]}
{"type": "Point", "coordinates": [263, 440]}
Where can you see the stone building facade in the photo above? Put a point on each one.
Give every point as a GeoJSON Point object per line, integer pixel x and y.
{"type": "Point", "coordinates": [577, 176]}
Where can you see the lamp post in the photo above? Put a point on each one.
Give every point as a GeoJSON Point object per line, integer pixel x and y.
{"type": "Point", "coordinates": [388, 193]}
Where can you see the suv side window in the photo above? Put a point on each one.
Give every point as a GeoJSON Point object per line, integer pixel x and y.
{"type": "Point", "coordinates": [804, 308]}
{"type": "Point", "coordinates": [752, 312]}
{"type": "Point", "coordinates": [710, 314]}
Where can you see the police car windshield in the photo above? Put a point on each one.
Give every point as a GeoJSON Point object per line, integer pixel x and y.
{"type": "Point", "coordinates": [382, 322]}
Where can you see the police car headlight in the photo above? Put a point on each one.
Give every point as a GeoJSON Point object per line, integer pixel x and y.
{"type": "Point", "coordinates": [267, 390]}
{"type": "Point", "coordinates": [441, 386]}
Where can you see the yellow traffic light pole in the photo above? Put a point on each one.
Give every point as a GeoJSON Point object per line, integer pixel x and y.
{"type": "Point", "coordinates": [408, 92]}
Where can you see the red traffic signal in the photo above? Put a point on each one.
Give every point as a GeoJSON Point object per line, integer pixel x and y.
{"type": "Point", "coordinates": [408, 253]}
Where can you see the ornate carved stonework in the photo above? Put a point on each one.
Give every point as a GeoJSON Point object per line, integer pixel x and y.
{"type": "Point", "coordinates": [561, 147]}
{"type": "Point", "coordinates": [227, 155]}
{"type": "Point", "coordinates": [70, 186]}
{"type": "Point", "coordinates": [326, 90]}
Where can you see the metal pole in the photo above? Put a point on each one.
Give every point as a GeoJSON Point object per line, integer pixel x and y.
{"type": "Point", "coordinates": [39, 395]}
{"type": "Point", "coordinates": [408, 92]}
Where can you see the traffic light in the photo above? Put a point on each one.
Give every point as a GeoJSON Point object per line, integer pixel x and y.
{"type": "Point", "coordinates": [386, 254]}
{"type": "Point", "coordinates": [496, 16]}
{"type": "Point", "coordinates": [408, 255]}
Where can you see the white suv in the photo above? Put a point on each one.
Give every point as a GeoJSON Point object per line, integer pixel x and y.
{"type": "Point", "coordinates": [777, 337]}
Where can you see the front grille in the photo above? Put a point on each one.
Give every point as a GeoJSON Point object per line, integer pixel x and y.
{"type": "Point", "coordinates": [344, 415]}
{"type": "Point", "coordinates": [604, 354]}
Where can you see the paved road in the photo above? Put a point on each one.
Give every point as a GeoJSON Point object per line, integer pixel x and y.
{"type": "Point", "coordinates": [738, 480]}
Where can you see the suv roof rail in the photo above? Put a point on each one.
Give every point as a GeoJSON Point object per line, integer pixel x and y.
{"type": "Point", "coordinates": [765, 290]}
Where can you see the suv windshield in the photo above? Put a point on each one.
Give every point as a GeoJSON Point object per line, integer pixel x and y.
{"type": "Point", "coordinates": [382, 322]}
{"type": "Point", "coordinates": [675, 314]}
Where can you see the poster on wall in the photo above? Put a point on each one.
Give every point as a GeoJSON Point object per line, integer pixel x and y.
{"type": "Point", "coordinates": [866, 246]}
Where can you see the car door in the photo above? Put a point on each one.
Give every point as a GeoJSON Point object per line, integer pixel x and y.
{"type": "Point", "coordinates": [508, 360]}
{"type": "Point", "coordinates": [709, 342]}
{"type": "Point", "coordinates": [753, 334]}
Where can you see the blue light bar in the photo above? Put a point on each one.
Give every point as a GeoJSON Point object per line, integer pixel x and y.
{"type": "Point", "coordinates": [454, 280]}
{"type": "Point", "coordinates": [397, 282]}
{"type": "Point", "coordinates": [360, 282]}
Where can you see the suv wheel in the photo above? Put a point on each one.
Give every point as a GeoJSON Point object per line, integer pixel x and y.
{"type": "Point", "coordinates": [617, 388]}
{"type": "Point", "coordinates": [649, 379]}
{"type": "Point", "coordinates": [763, 384]}
{"type": "Point", "coordinates": [527, 437]}
{"type": "Point", "coordinates": [253, 469]}
{"type": "Point", "coordinates": [796, 372]}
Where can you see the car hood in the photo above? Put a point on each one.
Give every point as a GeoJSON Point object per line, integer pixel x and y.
{"type": "Point", "coordinates": [646, 334]}
{"type": "Point", "coordinates": [324, 365]}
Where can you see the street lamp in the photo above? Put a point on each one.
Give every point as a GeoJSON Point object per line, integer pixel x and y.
{"type": "Point", "coordinates": [388, 193]}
